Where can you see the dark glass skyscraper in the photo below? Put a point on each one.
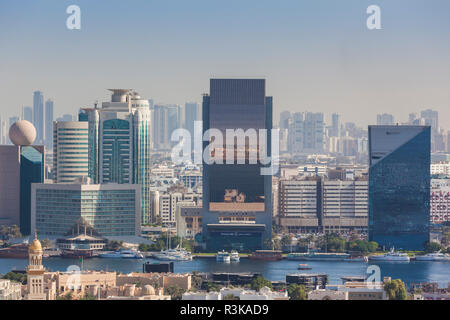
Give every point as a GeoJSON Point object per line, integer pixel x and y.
{"type": "Point", "coordinates": [399, 186]}
{"type": "Point", "coordinates": [237, 197]}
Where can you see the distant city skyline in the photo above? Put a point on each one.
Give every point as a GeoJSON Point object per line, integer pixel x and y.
{"type": "Point", "coordinates": [316, 56]}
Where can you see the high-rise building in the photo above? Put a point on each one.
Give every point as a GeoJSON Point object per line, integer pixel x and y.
{"type": "Point", "coordinates": [70, 151]}
{"type": "Point", "coordinates": [335, 125]}
{"type": "Point", "coordinates": [237, 198]}
{"type": "Point", "coordinates": [285, 119]}
{"type": "Point", "coordinates": [38, 116]}
{"type": "Point", "coordinates": [21, 165]}
{"type": "Point", "coordinates": [307, 133]}
{"type": "Point", "coordinates": [166, 119]}
{"type": "Point", "coordinates": [119, 143]}
{"type": "Point", "coordinates": [28, 114]}
{"type": "Point", "coordinates": [431, 119]}
{"type": "Point", "coordinates": [65, 117]}
{"type": "Point", "coordinates": [385, 119]}
{"type": "Point", "coordinates": [48, 128]}
{"type": "Point", "coordinates": [191, 114]}
{"type": "Point", "coordinates": [399, 186]}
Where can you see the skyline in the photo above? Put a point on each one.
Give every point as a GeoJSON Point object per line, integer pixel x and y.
{"type": "Point", "coordinates": [169, 51]}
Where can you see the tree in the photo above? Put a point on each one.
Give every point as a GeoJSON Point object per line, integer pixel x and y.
{"type": "Point", "coordinates": [15, 276]}
{"type": "Point", "coordinates": [47, 243]}
{"type": "Point", "coordinates": [196, 280]}
{"type": "Point", "coordinates": [431, 247]}
{"type": "Point", "coordinates": [268, 244]}
{"type": "Point", "coordinates": [67, 296]}
{"type": "Point", "coordinates": [296, 292]}
{"type": "Point", "coordinates": [285, 240]}
{"type": "Point", "coordinates": [260, 282]}
{"type": "Point", "coordinates": [9, 232]}
{"type": "Point", "coordinates": [88, 296]}
{"type": "Point", "coordinates": [175, 292]}
{"type": "Point", "coordinates": [114, 245]}
{"type": "Point", "coordinates": [276, 244]}
{"type": "Point", "coordinates": [211, 286]}
{"type": "Point", "coordinates": [395, 290]}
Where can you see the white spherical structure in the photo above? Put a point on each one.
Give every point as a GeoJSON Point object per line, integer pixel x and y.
{"type": "Point", "coordinates": [22, 133]}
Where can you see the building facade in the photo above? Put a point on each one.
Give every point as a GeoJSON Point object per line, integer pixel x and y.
{"type": "Point", "coordinates": [111, 209]}
{"type": "Point", "coordinates": [119, 143]}
{"type": "Point", "coordinates": [237, 201]}
{"type": "Point", "coordinates": [70, 151]}
{"type": "Point", "coordinates": [440, 201]}
{"type": "Point", "coordinates": [399, 186]}
{"type": "Point", "coordinates": [20, 165]}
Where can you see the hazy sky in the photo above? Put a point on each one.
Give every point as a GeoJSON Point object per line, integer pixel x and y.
{"type": "Point", "coordinates": [316, 55]}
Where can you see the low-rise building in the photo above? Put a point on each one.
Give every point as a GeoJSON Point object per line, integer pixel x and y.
{"type": "Point", "coordinates": [10, 290]}
{"type": "Point", "coordinates": [162, 280]}
{"type": "Point", "coordinates": [189, 220]}
{"type": "Point", "coordinates": [241, 293]}
{"type": "Point", "coordinates": [111, 209]}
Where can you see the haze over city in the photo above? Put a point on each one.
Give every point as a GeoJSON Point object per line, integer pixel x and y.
{"type": "Point", "coordinates": [315, 56]}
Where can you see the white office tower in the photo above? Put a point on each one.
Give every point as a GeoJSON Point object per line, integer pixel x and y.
{"type": "Point", "coordinates": [119, 143]}
{"type": "Point", "coordinates": [70, 151]}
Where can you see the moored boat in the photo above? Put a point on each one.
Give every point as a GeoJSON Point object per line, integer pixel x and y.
{"type": "Point", "coordinates": [15, 251]}
{"type": "Point", "coordinates": [267, 255]}
{"type": "Point", "coordinates": [318, 256]}
{"type": "Point", "coordinates": [234, 256]}
{"type": "Point", "coordinates": [122, 254]}
{"type": "Point", "coordinates": [223, 256]}
{"type": "Point", "coordinates": [436, 256]}
{"type": "Point", "coordinates": [391, 256]}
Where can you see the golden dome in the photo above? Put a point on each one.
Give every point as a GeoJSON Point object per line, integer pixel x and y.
{"type": "Point", "coordinates": [35, 246]}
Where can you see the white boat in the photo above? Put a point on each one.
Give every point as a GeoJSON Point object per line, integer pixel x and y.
{"type": "Point", "coordinates": [357, 259]}
{"type": "Point", "coordinates": [177, 254]}
{"type": "Point", "coordinates": [223, 256]}
{"type": "Point", "coordinates": [234, 256]}
{"type": "Point", "coordinates": [122, 254]}
{"type": "Point", "coordinates": [391, 256]}
{"type": "Point", "coordinates": [437, 256]}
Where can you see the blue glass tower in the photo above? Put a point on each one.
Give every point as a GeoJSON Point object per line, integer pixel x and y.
{"type": "Point", "coordinates": [399, 186]}
{"type": "Point", "coordinates": [119, 143]}
{"type": "Point", "coordinates": [31, 171]}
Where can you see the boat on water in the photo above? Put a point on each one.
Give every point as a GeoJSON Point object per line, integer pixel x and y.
{"type": "Point", "coordinates": [318, 256]}
{"type": "Point", "coordinates": [234, 256]}
{"type": "Point", "coordinates": [391, 256]}
{"type": "Point", "coordinates": [223, 256]}
{"type": "Point", "coordinates": [15, 251]}
{"type": "Point", "coordinates": [303, 266]}
{"type": "Point", "coordinates": [122, 254]}
{"type": "Point", "coordinates": [357, 259]}
{"type": "Point", "coordinates": [436, 256]}
{"type": "Point", "coordinates": [267, 255]}
{"type": "Point", "coordinates": [177, 254]}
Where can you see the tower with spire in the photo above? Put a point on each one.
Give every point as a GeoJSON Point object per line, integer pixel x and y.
{"type": "Point", "coordinates": [35, 271]}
